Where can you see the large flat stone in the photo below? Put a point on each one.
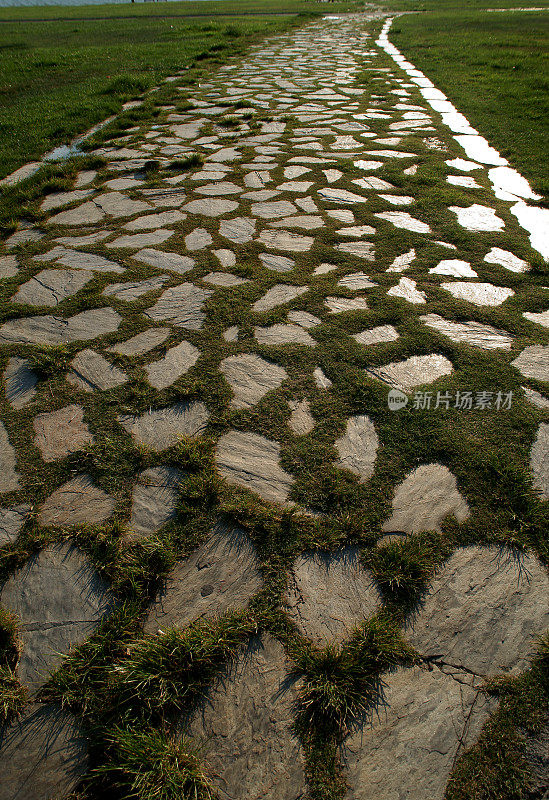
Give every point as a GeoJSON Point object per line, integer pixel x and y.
{"type": "Point", "coordinates": [413, 371]}
{"type": "Point", "coordinates": [301, 420]}
{"type": "Point", "coordinates": [176, 362]}
{"type": "Point", "coordinates": [91, 372]}
{"type": "Point", "coordinates": [20, 382]}
{"type": "Point", "coordinates": [161, 259]}
{"type": "Point", "coordinates": [51, 286]}
{"type": "Point", "coordinates": [278, 208]}
{"type": "Point", "coordinates": [8, 267]}
{"type": "Point", "coordinates": [471, 332]}
{"type": "Point", "coordinates": [11, 521]}
{"type": "Point", "coordinates": [357, 447]}
{"type": "Point", "coordinates": [401, 219]}
{"type": "Point", "coordinates": [238, 230]}
{"type": "Point", "coordinates": [86, 214]}
{"type": "Point", "coordinates": [154, 500]}
{"type": "Point", "coordinates": [48, 330]}
{"type": "Point", "coordinates": [478, 218]}
{"type": "Point", "coordinates": [211, 207]}
{"type": "Point", "coordinates": [481, 294]}
{"type": "Point", "coordinates": [164, 427]}
{"type": "Point", "coordinates": [285, 240]}
{"type": "Point", "coordinates": [142, 342]}
{"type": "Point", "coordinates": [379, 335]}
{"type": "Point", "coordinates": [133, 290]}
{"type": "Point", "coordinates": [61, 432]}
{"type": "Point", "coordinates": [77, 502]}
{"type": "Point", "coordinates": [252, 461]}
{"type": "Point", "coordinates": [9, 477]}
{"type": "Point", "coordinates": [406, 289]}
{"type": "Point", "coordinates": [539, 461]}
{"type": "Point", "coordinates": [180, 306]}
{"type": "Point", "coordinates": [278, 295]}
{"type": "Point", "coordinates": [533, 362]}
{"type": "Point", "coordinates": [251, 377]}
{"type": "Point", "coordinates": [283, 334]}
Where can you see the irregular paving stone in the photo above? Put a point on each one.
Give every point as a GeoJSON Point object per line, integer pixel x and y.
{"type": "Point", "coordinates": [159, 220]}
{"type": "Point", "coordinates": [478, 218]}
{"type": "Point", "coordinates": [541, 319]}
{"type": "Point", "coordinates": [285, 240]}
{"type": "Point", "coordinates": [142, 342]}
{"type": "Point", "coordinates": [198, 240]}
{"type": "Point", "coordinates": [424, 499]}
{"type": "Point", "coordinates": [357, 448]}
{"type": "Point", "coordinates": [535, 397]}
{"type": "Point", "coordinates": [90, 371]}
{"type": "Point", "coordinates": [251, 377]}
{"type": "Point", "coordinates": [211, 207]}
{"type": "Point", "coordinates": [413, 371]}
{"type": "Point", "coordinates": [61, 432]}
{"type": "Point", "coordinates": [19, 382]}
{"type": "Point", "coordinates": [23, 236]}
{"type": "Point", "coordinates": [539, 461]}
{"type": "Point", "coordinates": [238, 230]}
{"type": "Point", "coordinates": [276, 263]}
{"type": "Point", "coordinates": [329, 595]}
{"type": "Point", "coordinates": [471, 332]}
{"type": "Point", "coordinates": [455, 268]}
{"type": "Point", "coordinates": [252, 461]}
{"type": "Point", "coordinates": [357, 231]}
{"type": "Point", "coordinates": [154, 500]}
{"type": "Point", "coordinates": [231, 334]}
{"type": "Point", "coordinates": [133, 290]}
{"type": "Point", "coordinates": [283, 334]}
{"type": "Point", "coordinates": [9, 478]}
{"type": "Point", "coordinates": [278, 295]}
{"type": "Point", "coordinates": [51, 286]}
{"type": "Point", "coordinates": [338, 305]}
{"type": "Point", "coordinates": [533, 362]}
{"type": "Point", "coordinates": [401, 219]}
{"type": "Point", "coordinates": [481, 294]}
{"type": "Point", "coordinates": [304, 221]}
{"type": "Point", "coordinates": [383, 333]}
{"type": "Point", "coordinates": [48, 330]}
{"type": "Point", "coordinates": [244, 728]}
{"type": "Point", "coordinates": [226, 258]}
{"type": "Point", "coordinates": [8, 267]}
{"type": "Point", "coordinates": [402, 262]}
{"type": "Point", "coordinates": [58, 199]}
{"type": "Point", "coordinates": [409, 748]}
{"type": "Point", "coordinates": [359, 249]}
{"type": "Point", "coordinates": [135, 241]}
{"type": "Point", "coordinates": [506, 259]}
{"type": "Point", "coordinates": [177, 361]}
{"type": "Point", "coordinates": [224, 280]}
{"type": "Point", "coordinates": [117, 204]}
{"type": "Point", "coordinates": [88, 213]}
{"type": "Point", "coordinates": [406, 290]}
{"type": "Point", "coordinates": [482, 610]}
{"type": "Point", "coordinates": [11, 521]}
{"type": "Point", "coordinates": [83, 261]}
{"type": "Point", "coordinates": [163, 260]}
{"type": "Point", "coordinates": [304, 319]}
{"type": "Point", "coordinates": [301, 421]}
{"type": "Point", "coordinates": [222, 574]}
{"type": "Point", "coordinates": [77, 502]}
{"type": "Point", "coordinates": [60, 600]}
{"type": "Point", "coordinates": [279, 208]}
{"type": "Point", "coordinates": [43, 755]}
{"type": "Point", "coordinates": [180, 306]}
{"type": "Point", "coordinates": [164, 427]}
{"type": "Point", "coordinates": [340, 196]}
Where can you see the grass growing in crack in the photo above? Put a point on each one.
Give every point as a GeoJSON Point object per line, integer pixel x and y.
{"type": "Point", "coordinates": [13, 695]}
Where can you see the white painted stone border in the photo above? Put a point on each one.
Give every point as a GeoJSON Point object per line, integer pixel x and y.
{"type": "Point", "coordinates": [508, 184]}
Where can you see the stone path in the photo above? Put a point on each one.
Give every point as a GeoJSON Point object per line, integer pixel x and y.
{"type": "Point", "coordinates": [256, 300]}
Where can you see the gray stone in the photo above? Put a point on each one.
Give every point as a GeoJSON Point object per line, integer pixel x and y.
{"type": "Point", "coordinates": [198, 239]}
{"type": "Point", "coordinates": [278, 295]}
{"type": "Point", "coordinates": [539, 461]}
{"type": "Point", "coordinates": [11, 521]}
{"type": "Point", "coordinates": [481, 294]}
{"type": "Point", "coordinates": [160, 220]}
{"type": "Point", "coordinates": [285, 240]}
{"type": "Point", "coordinates": [482, 610]}
{"type": "Point", "coordinates": [301, 421]}
{"type": "Point", "coordinates": [9, 477]}
{"type": "Point", "coordinates": [160, 259]}
{"type": "Point", "coordinates": [304, 319]}
{"type": "Point", "coordinates": [540, 319]}
{"type": "Point", "coordinates": [154, 500]}
{"type": "Point", "coordinates": [23, 236]}
{"type": "Point", "coordinates": [279, 208]}
{"type": "Point", "coordinates": [276, 263]}
{"type": "Point", "coordinates": [58, 199]}
{"type": "Point", "coordinates": [339, 305]}
{"type": "Point", "coordinates": [180, 306]}
{"type": "Point", "coordinates": [413, 371]}
{"type": "Point", "coordinates": [164, 427]}
{"type": "Point", "coordinates": [20, 382]}
{"type": "Point", "coordinates": [142, 342]}
{"type": "Point", "coordinates": [86, 214]}
{"type": "Point", "coordinates": [357, 231]}
{"type": "Point", "coordinates": [223, 279]}
{"type": "Point", "coordinates": [8, 267]}
{"type": "Point", "coordinates": [244, 728]}
{"type": "Point", "coordinates": [223, 574]}
{"type": "Point", "coordinates": [226, 258]}
{"type": "Point", "coordinates": [231, 334]}
{"type": "Point", "coordinates": [60, 600]}
{"type": "Point", "coordinates": [532, 362]}
{"type": "Point", "coordinates": [61, 432]}
{"type": "Point", "coordinates": [356, 281]}
{"type": "Point", "coordinates": [535, 398]}
{"type": "Point", "coordinates": [77, 502]}
{"type": "Point", "coordinates": [136, 241]}
{"type": "Point", "coordinates": [357, 448]}
{"type": "Point", "coordinates": [176, 362]}
{"type": "Point", "coordinates": [251, 377]}
{"type": "Point", "coordinates": [48, 330]}
{"type": "Point", "coordinates": [133, 290]}
{"type": "Point", "coordinates": [77, 260]}
{"type": "Point", "coordinates": [358, 249]}
{"type": "Point", "coordinates": [90, 372]}
{"type": "Point", "coordinates": [454, 267]}
{"type": "Point", "coordinates": [51, 286]}
{"type": "Point", "coordinates": [238, 230]}
{"type": "Point", "coordinates": [117, 205]}
{"type": "Point", "coordinates": [303, 221]}
{"type": "Point", "coordinates": [283, 334]}
{"type": "Point", "coordinates": [252, 461]}
{"type": "Point", "coordinates": [43, 755]}
{"type": "Point", "coordinates": [402, 262]}
{"type": "Point", "coordinates": [329, 595]}
{"type": "Point", "coordinates": [340, 196]}
{"type": "Point", "coordinates": [211, 207]}
{"type": "Point", "coordinates": [383, 333]}
{"type": "Point", "coordinates": [471, 332]}
{"type": "Point", "coordinates": [218, 188]}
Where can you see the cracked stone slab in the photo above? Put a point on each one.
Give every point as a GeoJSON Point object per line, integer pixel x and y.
{"type": "Point", "coordinates": [77, 502]}
{"type": "Point", "coordinates": [301, 421]}
{"type": "Point", "coordinates": [161, 259]}
{"type": "Point", "coordinates": [116, 204]}
{"type": "Point", "coordinates": [329, 595]}
{"type": "Point", "coordinates": [413, 371]}
{"type": "Point", "coordinates": [44, 754]}
{"type": "Point", "coordinates": [20, 382]}
{"type": "Point", "coordinates": [357, 447]}
{"type": "Point", "coordinates": [9, 477]}
{"type": "Point", "coordinates": [481, 294]}
{"type": "Point", "coordinates": [285, 240]}
{"type": "Point", "coordinates": [408, 749]}
{"type": "Point", "coordinates": [164, 427]}
{"type": "Point", "coordinates": [136, 241]}
{"type": "Point", "coordinates": [8, 267]}
{"type": "Point", "coordinates": [482, 609]}
{"type": "Point", "coordinates": [61, 432]}
{"type": "Point", "coordinates": [251, 377]}
{"type": "Point", "coordinates": [478, 218]}
{"type": "Point", "coordinates": [340, 195]}
{"type": "Point", "coordinates": [180, 306]}
{"type": "Point", "coordinates": [533, 362]}
{"type": "Point", "coordinates": [49, 330]}
{"type": "Point", "coordinates": [198, 239]}
{"type": "Point", "coordinates": [383, 333]}
{"type": "Point", "coordinates": [51, 286]}
{"type": "Point", "coordinates": [142, 342]}
{"type": "Point", "coordinates": [470, 332]}
{"type": "Point", "coordinates": [252, 461]}
{"type": "Point", "coordinates": [154, 500]}
{"type": "Point", "coordinates": [278, 208]}
{"type": "Point", "coordinates": [86, 214]}
{"type": "Point", "coordinates": [11, 521]}
{"type": "Point", "coordinates": [283, 334]}
{"type": "Point", "coordinates": [58, 199]}
{"type": "Point", "coordinates": [176, 362]}
{"type": "Point", "coordinates": [133, 290]}
{"type": "Point", "coordinates": [539, 461]}
{"type": "Point", "coordinates": [91, 372]}
{"type": "Point", "coordinates": [278, 295]}
{"type": "Point", "coordinates": [83, 261]}
{"type": "Point", "coordinates": [244, 728]}
{"type": "Point", "coordinates": [424, 499]}
{"type": "Point", "coordinates": [60, 599]}
{"type": "Point", "coordinates": [223, 574]}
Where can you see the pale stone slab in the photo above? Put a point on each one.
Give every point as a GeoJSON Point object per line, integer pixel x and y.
{"type": "Point", "coordinates": [413, 371]}
{"type": "Point", "coordinates": [180, 306]}
{"type": "Point", "coordinates": [51, 286]}
{"type": "Point", "coordinates": [153, 221]}
{"type": "Point", "coordinates": [274, 210]}
{"type": "Point", "coordinates": [162, 428]}
{"type": "Point", "coordinates": [329, 595]}
{"type": "Point", "coordinates": [371, 182]}
{"type": "Point", "coordinates": [211, 207]}
{"type": "Point", "coordinates": [535, 398]}
{"type": "Point", "coordinates": [198, 239]}
{"type": "Point", "coordinates": [9, 477]}
{"type": "Point", "coordinates": [252, 461]}
{"type": "Point", "coordinates": [141, 343]}
{"type": "Point", "coordinates": [301, 421]}
{"type": "Point", "coordinates": [339, 305]}
{"type": "Point", "coordinates": [8, 267]}
{"type": "Point", "coordinates": [78, 502]}
{"type": "Point", "coordinates": [304, 319]}
{"type": "Point", "coordinates": [401, 219]}
{"type": "Point", "coordinates": [454, 267]}
{"type": "Point", "coordinates": [226, 258]}
{"type": "Point", "coordinates": [539, 461]}
{"type": "Point", "coordinates": [278, 295]}
{"type": "Point", "coordinates": [540, 319]}
{"type": "Point", "coordinates": [11, 521]}
{"type": "Point", "coordinates": [251, 377]}
{"type": "Point", "coordinates": [471, 332]}
{"type": "Point", "coordinates": [244, 728]}
{"type": "Point", "coordinates": [218, 188]}
{"type": "Point", "coordinates": [357, 448]}
{"type": "Point", "coordinates": [154, 500]}
{"type": "Point", "coordinates": [283, 334]}
{"type": "Point", "coordinates": [383, 333]}
{"type": "Point", "coordinates": [223, 574]}
{"type": "Point", "coordinates": [136, 241]}
{"type": "Point", "coordinates": [340, 195]}
{"type": "Point", "coordinates": [58, 199]}
{"type": "Point", "coordinates": [224, 280]}
{"type": "Point", "coordinates": [61, 432]}
{"type": "Point", "coordinates": [324, 269]}
{"type": "Point", "coordinates": [359, 249]}
{"type": "Point", "coordinates": [163, 260]}
{"type": "Point", "coordinates": [483, 609]}
{"type": "Point", "coordinates": [90, 371]}
{"type": "Point", "coordinates": [231, 334]}
{"type": "Point", "coordinates": [118, 205]}
{"type": "Point", "coordinates": [133, 290]}
{"type": "Point", "coordinates": [356, 230]}
{"type": "Point", "coordinates": [20, 382]}
{"type": "Point", "coordinates": [506, 259]}
{"type": "Point", "coordinates": [177, 361]}
{"type": "Point", "coordinates": [478, 218]}
{"type": "Point", "coordinates": [402, 262]}
{"type": "Point", "coordinates": [238, 230]}
{"type": "Point", "coordinates": [321, 380]}
{"type": "Point", "coordinates": [533, 362]}
{"type": "Point", "coordinates": [276, 263]}
{"type": "Point", "coordinates": [285, 240]}
{"type": "Point", "coordinates": [60, 599]}
{"type": "Point", "coordinates": [48, 330]}
{"type": "Point", "coordinates": [465, 181]}
{"type": "Point", "coordinates": [88, 213]}
{"type": "Point", "coordinates": [481, 294]}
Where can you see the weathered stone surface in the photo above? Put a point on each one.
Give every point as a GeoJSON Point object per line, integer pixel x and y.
{"type": "Point", "coordinates": [58, 199]}
{"type": "Point", "coordinates": [535, 398]}
{"type": "Point", "coordinates": [278, 208]}
{"type": "Point", "coordinates": [252, 461]}
{"type": "Point", "coordinates": [86, 214]}
{"type": "Point", "coordinates": [238, 230]}
{"type": "Point", "coordinates": [402, 262]}
{"type": "Point", "coordinates": [154, 500]}
{"type": "Point", "coordinates": [482, 610]}
{"type": "Point", "coordinates": [407, 290]}
{"type": "Point", "coordinates": [219, 188]}
{"type": "Point", "coordinates": [48, 330]}
{"type": "Point", "coordinates": [329, 595]}
{"type": "Point", "coordinates": [162, 219]}
{"type": "Point", "coordinates": [136, 241]}
{"type": "Point", "coordinates": [20, 382]}
{"type": "Point", "coordinates": [211, 207]}
{"type": "Point", "coordinates": [59, 599]}
{"type": "Point", "coordinates": [223, 279]}
{"type": "Point", "coordinates": [251, 377]}
{"type": "Point", "coordinates": [481, 294]}
{"type": "Point", "coordinates": [181, 306]}
{"type": "Point", "coordinates": [471, 332]}
{"type": "Point", "coordinates": [43, 755]}
{"type": "Point", "coordinates": [539, 461]}
{"type": "Point", "coordinates": [408, 749]}
{"type": "Point", "coordinates": [454, 267]}
{"type": "Point", "coordinates": [363, 250]}
{"type": "Point", "coordinates": [301, 420]}
{"type": "Point", "coordinates": [278, 295]}
{"type": "Point", "coordinates": [276, 263]}
{"type": "Point", "coordinates": [90, 372]}
{"type": "Point", "coordinates": [401, 219]}
{"type": "Point", "coordinates": [51, 286]}
{"type": "Point", "coordinates": [226, 258]}
{"type": "Point", "coordinates": [163, 260]}
{"type": "Point", "coordinates": [357, 448]}
{"type": "Point", "coordinates": [424, 499]}
{"type": "Point", "coordinates": [506, 259]}
{"type": "Point", "coordinates": [61, 432]}
{"type": "Point", "coordinates": [9, 477]}
{"type": "Point", "coordinates": [142, 342]}
{"type": "Point", "coordinates": [533, 362]}
{"type": "Point", "coordinates": [8, 267]}
{"type": "Point", "coordinates": [340, 196]}
{"type": "Point", "coordinates": [357, 231]}
{"type": "Point", "coordinates": [78, 502]}
{"type": "Point", "coordinates": [383, 333]}
{"type": "Point", "coordinates": [245, 728]}
{"type": "Point", "coordinates": [283, 334]}
{"type": "Point", "coordinates": [75, 259]}
{"type": "Point", "coordinates": [133, 290]}
{"type": "Point", "coordinates": [164, 427]}
{"type": "Point", "coordinates": [478, 218]}
{"type": "Point", "coordinates": [222, 574]}
{"type": "Point", "coordinates": [413, 371]}
{"type": "Point", "coordinates": [177, 361]}
{"type": "Point", "coordinates": [285, 240]}
{"type": "Point", "coordinates": [11, 521]}
{"type": "Point", "coordinates": [339, 305]}
{"type": "Point", "coordinates": [540, 319]}
{"type": "Point", "coordinates": [117, 205]}
{"type": "Point", "coordinates": [198, 239]}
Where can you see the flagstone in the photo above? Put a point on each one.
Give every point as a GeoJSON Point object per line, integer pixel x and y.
{"type": "Point", "coordinates": [539, 462]}
{"type": "Point", "coordinates": [406, 289]}
{"type": "Point", "coordinates": [383, 333]}
{"type": "Point", "coordinates": [470, 332]}
{"type": "Point", "coordinates": [77, 502]}
{"type": "Point", "coordinates": [276, 263]}
{"type": "Point", "coordinates": [478, 218]}
{"type": "Point", "coordinates": [90, 372]}
{"type": "Point", "coordinates": [356, 281]}
{"type": "Point", "coordinates": [285, 240]}
{"type": "Point", "coordinates": [279, 208]}
{"type": "Point", "coordinates": [8, 267]}
{"type": "Point", "coordinates": [413, 371]}
{"type": "Point", "coordinates": [356, 230]}
{"type": "Point", "coordinates": [535, 397]}
{"type": "Point", "coordinates": [343, 215]}
{"type": "Point", "coordinates": [160, 220]}
{"type": "Point", "coordinates": [88, 213]}
{"type": "Point", "coordinates": [218, 188]}
{"type": "Point", "coordinates": [141, 343]}
{"type": "Point", "coordinates": [198, 239]}
{"type": "Point", "coordinates": [304, 319]}
{"type": "Point", "coordinates": [301, 420]}
{"type": "Point", "coordinates": [238, 230]}
{"type": "Point", "coordinates": [506, 259]}
{"type": "Point", "coordinates": [481, 294]}
{"type": "Point", "coordinates": [454, 267]}
{"type": "Point", "coordinates": [19, 382]}
{"type": "Point", "coordinates": [52, 331]}
{"type": "Point", "coordinates": [541, 319]}
{"type": "Point", "coordinates": [12, 521]}
{"type": "Point", "coordinates": [9, 477]}
{"type": "Point", "coordinates": [363, 250]}
{"type": "Point", "coordinates": [154, 500]}
{"type": "Point", "coordinates": [278, 295]}
{"type": "Point", "coordinates": [358, 446]}
{"type": "Point", "coordinates": [402, 262]}
{"type": "Point", "coordinates": [283, 334]}
{"type": "Point", "coordinates": [133, 290]}
{"type": "Point", "coordinates": [58, 199]}
{"type": "Point", "coordinates": [401, 219]}
{"type": "Point", "coordinates": [162, 428]}
{"type": "Point", "coordinates": [60, 433]}
{"type": "Point", "coordinates": [533, 362]}
{"type": "Point", "coordinates": [340, 195]}
{"type": "Point", "coordinates": [339, 305]}
{"type": "Point", "coordinates": [116, 204]}
{"type": "Point", "coordinates": [180, 306]}
{"type": "Point", "coordinates": [250, 378]}
{"type": "Point", "coordinates": [136, 241]}
{"type": "Point", "coordinates": [251, 461]}
{"type": "Point", "coordinates": [225, 257]}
